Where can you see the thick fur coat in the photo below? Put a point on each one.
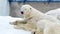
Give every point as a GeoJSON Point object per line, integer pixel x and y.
{"type": "Point", "coordinates": [37, 22]}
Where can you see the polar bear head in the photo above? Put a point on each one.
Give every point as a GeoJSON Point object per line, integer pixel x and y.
{"type": "Point", "coordinates": [26, 10]}
{"type": "Point", "coordinates": [30, 12]}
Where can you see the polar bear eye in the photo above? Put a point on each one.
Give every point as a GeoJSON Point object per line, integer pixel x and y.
{"type": "Point", "coordinates": [22, 12]}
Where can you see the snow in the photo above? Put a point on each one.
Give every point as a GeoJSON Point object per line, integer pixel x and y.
{"type": "Point", "coordinates": [6, 28]}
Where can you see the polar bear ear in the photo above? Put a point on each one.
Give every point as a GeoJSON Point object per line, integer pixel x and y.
{"type": "Point", "coordinates": [30, 8]}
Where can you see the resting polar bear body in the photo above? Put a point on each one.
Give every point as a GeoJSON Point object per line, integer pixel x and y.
{"type": "Point", "coordinates": [35, 15]}
{"type": "Point", "coordinates": [37, 21]}
{"type": "Point", "coordinates": [47, 27]}
{"type": "Point", "coordinates": [38, 18]}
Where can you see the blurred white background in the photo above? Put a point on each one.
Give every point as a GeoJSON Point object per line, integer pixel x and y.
{"type": "Point", "coordinates": [4, 8]}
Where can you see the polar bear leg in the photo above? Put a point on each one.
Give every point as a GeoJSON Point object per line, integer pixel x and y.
{"type": "Point", "coordinates": [49, 30]}
{"type": "Point", "coordinates": [18, 22]}
{"type": "Point", "coordinates": [25, 27]}
{"type": "Point", "coordinates": [39, 30]}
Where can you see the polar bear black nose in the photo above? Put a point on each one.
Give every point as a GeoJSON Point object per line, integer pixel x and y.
{"type": "Point", "coordinates": [22, 12]}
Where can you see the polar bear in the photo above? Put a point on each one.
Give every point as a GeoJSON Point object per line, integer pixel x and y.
{"type": "Point", "coordinates": [38, 22]}
{"type": "Point", "coordinates": [27, 19]}
{"type": "Point", "coordinates": [55, 13]}
{"type": "Point", "coordinates": [48, 27]}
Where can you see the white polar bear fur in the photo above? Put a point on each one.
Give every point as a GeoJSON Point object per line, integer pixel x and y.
{"type": "Point", "coordinates": [44, 23]}
{"type": "Point", "coordinates": [48, 27]}
{"type": "Point", "coordinates": [35, 14]}
{"type": "Point", "coordinates": [54, 13]}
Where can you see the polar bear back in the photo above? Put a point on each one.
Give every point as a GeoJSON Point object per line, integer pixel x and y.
{"type": "Point", "coordinates": [51, 28]}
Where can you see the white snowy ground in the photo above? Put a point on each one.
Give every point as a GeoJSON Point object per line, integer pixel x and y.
{"type": "Point", "coordinates": [6, 28]}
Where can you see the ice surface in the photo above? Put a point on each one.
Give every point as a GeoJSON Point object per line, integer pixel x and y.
{"type": "Point", "coordinates": [6, 28]}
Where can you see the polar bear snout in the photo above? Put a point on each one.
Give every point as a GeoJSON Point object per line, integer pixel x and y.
{"type": "Point", "coordinates": [22, 12]}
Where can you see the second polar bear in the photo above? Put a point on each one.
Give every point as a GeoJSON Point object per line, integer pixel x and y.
{"type": "Point", "coordinates": [44, 24]}
{"type": "Point", "coordinates": [54, 13]}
